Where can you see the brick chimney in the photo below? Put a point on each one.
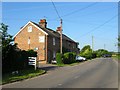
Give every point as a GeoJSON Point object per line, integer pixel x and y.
{"type": "Point", "coordinates": [43, 23]}
{"type": "Point", "coordinates": [59, 30]}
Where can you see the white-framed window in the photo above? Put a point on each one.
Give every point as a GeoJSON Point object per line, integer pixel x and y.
{"type": "Point", "coordinates": [53, 41]}
{"type": "Point", "coordinates": [29, 28]}
{"type": "Point", "coordinates": [28, 40]}
{"type": "Point", "coordinates": [54, 54]}
{"type": "Point", "coordinates": [41, 39]}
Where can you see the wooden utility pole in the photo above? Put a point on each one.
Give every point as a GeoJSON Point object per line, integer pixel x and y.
{"type": "Point", "coordinates": [104, 46]}
{"type": "Point", "coordinates": [61, 36]}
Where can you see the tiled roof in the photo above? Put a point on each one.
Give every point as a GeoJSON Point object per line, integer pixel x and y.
{"type": "Point", "coordinates": [54, 33]}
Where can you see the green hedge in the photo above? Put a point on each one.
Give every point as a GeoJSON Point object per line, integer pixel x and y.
{"type": "Point", "coordinates": [69, 58]}
{"type": "Point", "coordinates": [16, 60]}
{"type": "Point", "coordinates": [59, 58]}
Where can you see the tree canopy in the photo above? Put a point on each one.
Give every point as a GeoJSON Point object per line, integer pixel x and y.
{"type": "Point", "coordinates": [86, 51]}
{"type": "Point", "coordinates": [6, 38]}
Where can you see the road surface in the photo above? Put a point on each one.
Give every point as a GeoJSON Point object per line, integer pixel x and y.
{"type": "Point", "coordinates": [98, 73]}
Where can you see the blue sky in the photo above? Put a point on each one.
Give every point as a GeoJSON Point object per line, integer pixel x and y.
{"type": "Point", "coordinates": [81, 20]}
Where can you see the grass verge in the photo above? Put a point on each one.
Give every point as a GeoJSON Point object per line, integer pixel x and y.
{"type": "Point", "coordinates": [23, 74]}
{"type": "Point", "coordinates": [72, 64]}
{"type": "Point", "coordinates": [117, 57]}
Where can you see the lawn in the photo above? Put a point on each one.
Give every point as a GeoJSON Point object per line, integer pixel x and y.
{"type": "Point", "coordinates": [23, 74]}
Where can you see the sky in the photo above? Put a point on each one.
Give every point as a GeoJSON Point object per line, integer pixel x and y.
{"type": "Point", "coordinates": [81, 20]}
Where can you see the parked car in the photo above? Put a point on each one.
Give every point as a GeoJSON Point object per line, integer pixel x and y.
{"type": "Point", "coordinates": [79, 58]}
{"type": "Point", "coordinates": [107, 55]}
{"type": "Point", "coordinates": [54, 61]}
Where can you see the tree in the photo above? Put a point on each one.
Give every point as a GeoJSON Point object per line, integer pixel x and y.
{"type": "Point", "coordinates": [6, 40]}
{"type": "Point", "coordinates": [119, 42]}
{"type": "Point", "coordinates": [86, 52]}
{"type": "Point", "coordinates": [101, 52]}
{"type": "Point", "coordinates": [9, 52]}
{"type": "Point", "coordinates": [13, 58]}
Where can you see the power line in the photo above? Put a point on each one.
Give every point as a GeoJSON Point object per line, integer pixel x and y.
{"type": "Point", "coordinates": [60, 27]}
{"type": "Point", "coordinates": [99, 26]}
{"type": "Point", "coordinates": [102, 38]}
{"type": "Point", "coordinates": [73, 12]}
{"type": "Point", "coordinates": [79, 10]}
{"type": "Point", "coordinates": [56, 9]}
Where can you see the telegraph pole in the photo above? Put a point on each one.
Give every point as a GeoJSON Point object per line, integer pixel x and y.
{"type": "Point", "coordinates": [104, 46]}
{"type": "Point", "coordinates": [92, 43]}
{"type": "Point", "coordinates": [61, 36]}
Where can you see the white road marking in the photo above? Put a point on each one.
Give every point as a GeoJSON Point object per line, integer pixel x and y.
{"type": "Point", "coordinates": [59, 84]}
{"type": "Point", "coordinates": [76, 77]}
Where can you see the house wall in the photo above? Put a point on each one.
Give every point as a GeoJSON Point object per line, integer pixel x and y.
{"type": "Point", "coordinates": [46, 50]}
{"type": "Point", "coordinates": [52, 49]}
{"type": "Point", "coordinates": [71, 46]}
{"type": "Point", "coordinates": [24, 35]}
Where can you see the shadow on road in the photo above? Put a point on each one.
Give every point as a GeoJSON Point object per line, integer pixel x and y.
{"type": "Point", "coordinates": [48, 67]}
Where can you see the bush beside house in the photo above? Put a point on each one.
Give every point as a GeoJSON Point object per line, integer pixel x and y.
{"type": "Point", "coordinates": [59, 58]}
{"type": "Point", "coordinates": [66, 58]}
{"type": "Point", "coordinates": [69, 58]}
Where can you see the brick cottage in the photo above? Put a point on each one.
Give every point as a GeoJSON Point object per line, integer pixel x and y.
{"type": "Point", "coordinates": [43, 40]}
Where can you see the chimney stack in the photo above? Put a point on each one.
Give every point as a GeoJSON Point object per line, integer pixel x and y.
{"type": "Point", "coordinates": [59, 30]}
{"type": "Point", "coordinates": [43, 23]}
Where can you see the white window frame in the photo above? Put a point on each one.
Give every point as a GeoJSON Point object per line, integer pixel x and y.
{"type": "Point", "coordinates": [54, 54]}
{"type": "Point", "coordinates": [53, 40]}
{"type": "Point", "coordinates": [29, 28]}
{"type": "Point", "coordinates": [28, 40]}
{"type": "Point", "coordinates": [41, 39]}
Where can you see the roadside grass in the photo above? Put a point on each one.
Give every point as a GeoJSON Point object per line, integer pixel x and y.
{"type": "Point", "coordinates": [23, 74]}
{"type": "Point", "coordinates": [72, 64]}
{"type": "Point", "coordinates": [117, 57]}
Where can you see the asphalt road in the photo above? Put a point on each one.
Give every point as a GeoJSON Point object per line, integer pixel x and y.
{"type": "Point", "coordinates": [98, 73]}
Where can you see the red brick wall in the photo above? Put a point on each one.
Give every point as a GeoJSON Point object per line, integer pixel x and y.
{"type": "Point", "coordinates": [52, 48]}
{"type": "Point", "coordinates": [22, 40]}
{"type": "Point", "coordinates": [46, 49]}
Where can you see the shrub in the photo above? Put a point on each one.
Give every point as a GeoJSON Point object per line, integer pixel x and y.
{"type": "Point", "coordinates": [23, 59]}
{"type": "Point", "coordinates": [69, 58]}
{"type": "Point", "coordinates": [16, 60]}
{"type": "Point", "coordinates": [101, 52]}
{"type": "Point", "coordinates": [59, 58]}
{"type": "Point", "coordinates": [86, 52]}
{"type": "Point", "coordinates": [94, 54]}
{"type": "Point", "coordinates": [32, 53]}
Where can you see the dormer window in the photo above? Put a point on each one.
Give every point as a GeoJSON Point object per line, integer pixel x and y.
{"type": "Point", "coordinates": [29, 28]}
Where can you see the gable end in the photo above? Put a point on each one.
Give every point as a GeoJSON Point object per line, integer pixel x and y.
{"type": "Point", "coordinates": [33, 25]}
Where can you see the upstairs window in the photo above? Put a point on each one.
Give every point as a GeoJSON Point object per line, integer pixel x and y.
{"type": "Point", "coordinates": [41, 39]}
{"type": "Point", "coordinates": [53, 41]}
{"type": "Point", "coordinates": [29, 28]}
